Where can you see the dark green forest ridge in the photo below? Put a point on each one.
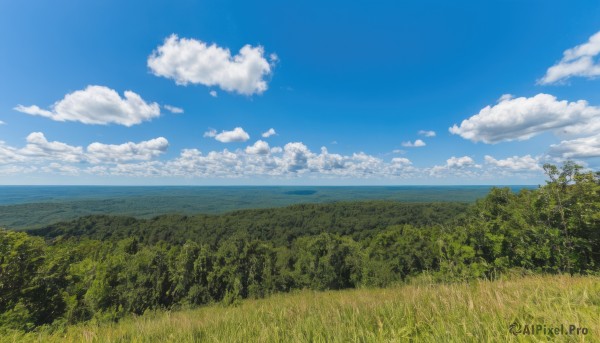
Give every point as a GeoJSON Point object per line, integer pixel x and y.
{"type": "Point", "coordinates": [279, 226]}
{"type": "Point", "coordinates": [104, 268]}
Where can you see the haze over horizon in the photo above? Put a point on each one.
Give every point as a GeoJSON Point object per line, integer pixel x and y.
{"type": "Point", "coordinates": [238, 93]}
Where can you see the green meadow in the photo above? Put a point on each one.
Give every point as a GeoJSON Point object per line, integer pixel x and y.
{"type": "Point", "coordinates": [424, 311]}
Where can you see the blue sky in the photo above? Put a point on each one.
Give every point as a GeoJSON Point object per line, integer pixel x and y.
{"type": "Point", "coordinates": [347, 87]}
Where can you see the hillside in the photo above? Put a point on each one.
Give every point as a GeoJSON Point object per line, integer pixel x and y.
{"type": "Point", "coordinates": [480, 311]}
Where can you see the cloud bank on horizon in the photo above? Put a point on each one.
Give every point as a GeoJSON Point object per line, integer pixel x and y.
{"type": "Point", "coordinates": [561, 126]}
{"type": "Point", "coordinates": [292, 160]}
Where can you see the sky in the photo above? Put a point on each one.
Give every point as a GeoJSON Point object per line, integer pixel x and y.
{"type": "Point", "coordinates": [299, 93]}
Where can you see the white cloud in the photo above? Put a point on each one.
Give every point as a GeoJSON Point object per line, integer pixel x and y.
{"type": "Point", "coordinates": [270, 132]}
{"type": "Point", "coordinates": [327, 162]}
{"type": "Point", "coordinates": [2, 123]}
{"type": "Point", "coordinates": [98, 105]}
{"type": "Point", "coordinates": [585, 147]}
{"type": "Point", "coordinates": [13, 169]}
{"type": "Point", "coordinates": [259, 147]}
{"type": "Point", "coordinates": [211, 133]}
{"type": "Point", "coordinates": [401, 161]}
{"type": "Point", "coordinates": [192, 163]}
{"type": "Point", "coordinates": [417, 144]}
{"type": "Point", "coordinates": [460, 162]}
{"type": "Point", "coordinates": [9, 154]}
{"type": "Point", "coordinates": [38, 147]}
{"type": "Point", "coordinates": [296, 156]}
{"type": "Point", "coordinates": [427, 133]}
{"type": "Point", "coordinates": [137, 160]}
{"type": "Point", "coordinates": [505, 97]}
{"type": "Point", "coordinates": [515, 163]}
{"type": "Point", "coordinates": [236, 135]}
{"type": "Point", "coordinates": [577, 61]}
{"type": "Point", "coordinates": [40, 151]}
{"type": "Point", "coordinates": [145, 150]}
{"type": "Point", "coordinates": [173, 109]}
{"type": "Point", "coordinates": [522, 118]}
{"type": "Point", "coordinates": [455, 166]}
{"type": "Point", "coordinates": [193, 61]}
{"type": "Point", "coordinates": [213, 93]}
{"type": "Point", "coordinates": [294, 160]}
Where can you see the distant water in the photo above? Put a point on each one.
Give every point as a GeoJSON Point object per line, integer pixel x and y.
{"type": "Point", "coordinates": [35, 206]}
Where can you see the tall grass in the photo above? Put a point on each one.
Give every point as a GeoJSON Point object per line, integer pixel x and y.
{"type": "Point", "coordinates": [480, 311]}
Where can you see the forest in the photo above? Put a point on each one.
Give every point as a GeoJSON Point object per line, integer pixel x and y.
{"type": "Point", "coordinates": [105, 268]}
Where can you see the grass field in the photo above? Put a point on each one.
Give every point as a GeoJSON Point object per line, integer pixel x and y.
{"type": "Point", "coordinates": [481, 311]}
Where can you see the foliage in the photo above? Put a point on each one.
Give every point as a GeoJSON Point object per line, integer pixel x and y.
{"type": "Point", "coordinates": [281, 226]}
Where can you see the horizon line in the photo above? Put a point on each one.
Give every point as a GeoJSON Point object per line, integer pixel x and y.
{"type": "Point", "coordinates": [267, 185]}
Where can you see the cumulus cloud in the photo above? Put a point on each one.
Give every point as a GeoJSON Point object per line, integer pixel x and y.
{"type": "Point", "coordinates": [460, 162]}
{"type": "Point", "coordinates": [326, 161]}
{"type": "Point", "coordinates": [515, 163]}
{"type": "Point", "coordinates": [98, 105]}
{"type": "Point", "coordinates": [236, 135]}
{"type": "Point", "coordinates": [270, 132]}
{"type": "Point", "coordinates": [9, 154]}
{"type": "Point", "coordinates": [417, 144]}
{"type": "Point", "coordinates": [40, 151]}
{"type": "Point", "coordinates": [401, 161]}
{"type": "Point", "coordinates": [213, 93]}
{"type": "Point", "coordinates": [295, 156]}
{"type": "Point", "coordinates": [146, 150]}
{"type": "Point", "coordinates": [259, 147]}
{"type": "Point", "coordinates": [187, 60]}
{"type": "Point", "coordinates": [456, 166]}
{"type": "Point", "coordinates": [577, 61]}
{"type": "Point", "coordinates": [427, 133]}
{"type": "Point", "coordinates": [40, 148]}
{"type": "Point", "coordinates": [585, 147]}
{"type": "Point", "coordinates": [173, 109]}
{"type": "Point", "coordinates": [522, 118]}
